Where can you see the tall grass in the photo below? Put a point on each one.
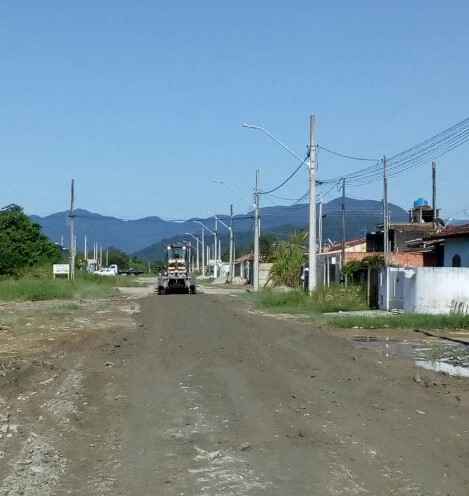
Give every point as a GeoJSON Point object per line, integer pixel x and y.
{"type": "Point", "coordinates": [402, 321]}
{"type": "Point", "coordinates": [327, 299]}
{"type": "Point", "coordinates": [49, 289]}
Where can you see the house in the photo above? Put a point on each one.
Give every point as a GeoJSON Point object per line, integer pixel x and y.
{"type": "Point", "coordinates": [455, 244]}
{"type": "Point", "coordinates": [244, 268]}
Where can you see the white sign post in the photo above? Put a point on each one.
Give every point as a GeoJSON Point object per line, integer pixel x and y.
{"type": "Point", "coordinates": [61, 270]}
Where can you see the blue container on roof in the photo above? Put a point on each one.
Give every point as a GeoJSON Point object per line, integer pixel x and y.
{"type": "Point", "coordinates": [420, 202]}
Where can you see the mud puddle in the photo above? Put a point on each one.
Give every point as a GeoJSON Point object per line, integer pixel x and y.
{"type": "Point", "coordinates": [431, 354]}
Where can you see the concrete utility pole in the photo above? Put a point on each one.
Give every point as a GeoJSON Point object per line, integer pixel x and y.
{"type": "Point", "coordinates": [107, 257]}
{"type": "Point", "coordinates": [435, 219]}
{"type": "Point", "coordinates": [203, 252]}
{"type": "Point", "coordinates": [231, 245]}
{"type": "Point", "coordinates": [386, 229]}
{"type": "Point", "coordinates": [320, 226]}
{"type": "Point", "coordinates": [344, 235]}
{"type": "Point", "coordinates": [204, 227]}
{"type": "Point", "coordinates": [71, 216]}
{"type": "Point", "coordinates": [230, 229]}
{"type": "Point", "coordinates": [197, 264]}
{"type": "Point", "coordinates": [312, 206]}
{"type": "Point", "coordinates": [385, 213]}
{"type": "Point", "coordinates": [257, 229]}
{"type": "Point", "coordinates": [86, 249]}
{"type": "Point", "coordinates": [215, 250]}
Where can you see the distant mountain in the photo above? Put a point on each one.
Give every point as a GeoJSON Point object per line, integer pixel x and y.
{"type": "Point", "coordinates": [142, 236]}
{"type": "Point", "coordinates": [360, 216]}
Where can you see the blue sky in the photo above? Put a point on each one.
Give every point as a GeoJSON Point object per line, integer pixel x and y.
{"type": "Point", "coordinates": [141, 102]}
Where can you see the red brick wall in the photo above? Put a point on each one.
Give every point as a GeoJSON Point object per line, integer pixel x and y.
{"type": "Point", "coordinates": [401, 259]}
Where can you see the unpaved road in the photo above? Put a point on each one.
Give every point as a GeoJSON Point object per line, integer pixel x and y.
{"type": "Point", "coordinates": [204, 398]}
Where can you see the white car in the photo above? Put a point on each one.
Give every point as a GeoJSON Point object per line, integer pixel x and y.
{"type": "Point", "coordinates": [112, 270]}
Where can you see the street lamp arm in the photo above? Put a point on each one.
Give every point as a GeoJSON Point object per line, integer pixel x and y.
{"type": "Point", "coordinates": [205, 227]}
{"type": "Point", "coordinates": [223, 224]}
{"type": "Point", "coordinates": [193, 236]}
{"type": "Point", "coordinates": [273, 138]}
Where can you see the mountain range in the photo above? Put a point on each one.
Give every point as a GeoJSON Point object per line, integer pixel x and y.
{"type": "Point", "coordinates": [144, 236]}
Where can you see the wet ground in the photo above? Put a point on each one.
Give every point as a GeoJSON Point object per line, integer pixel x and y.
{"type": "Point", "coordinates": [430, 353]}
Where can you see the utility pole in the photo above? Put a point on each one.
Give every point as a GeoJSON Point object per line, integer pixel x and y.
{"type": "Point", "coordinates": [385, 213]}
{"type": "Point", "coordinates": [107, 257]}
{"type": "Point", "coordinates": [231, 245]}
{"type": "Point", "coordinates": [71, 216]}
{"type": "Point", "coordinates": [435, 215]}
{"type": "Point", "coordinates": [203, 252]}
{"type": "Point", "coordinates": [344, 235]}
{"type": "Point", "coordinates": [256, 234]}
{"type": "Point", "coordinates": [215, 256]}
{"type": "Point", "coordinates": [386, 229]}
{"type": "Point", "coordinates": [312, 206]}
{"type": "Point", "coordinates": [320, 226]}
{"type": "Point", "coordinates": [230, 229]}
{"type": "Point", "coordinates": [197, 253]}
{"type": "Point", "coordinates": [86, 249]}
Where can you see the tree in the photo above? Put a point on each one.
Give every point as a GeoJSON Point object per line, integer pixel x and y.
{"type": "Point", "coordinates": [119, 258]}
{"type": "Point", "coordinates": [288, 258]}
{"type": "Point", "coordinates": [22, 244]}
{"type": "Point", "coordinates": [267, 246]}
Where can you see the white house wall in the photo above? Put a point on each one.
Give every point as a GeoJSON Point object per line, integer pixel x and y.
{"type": "Point", "coordinates": [430, 290]}
{"type": "Point", "coordinates": [457, 246]}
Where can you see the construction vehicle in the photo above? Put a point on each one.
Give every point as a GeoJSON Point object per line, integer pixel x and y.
{"type": "Point", "coordinates": [177, 277]}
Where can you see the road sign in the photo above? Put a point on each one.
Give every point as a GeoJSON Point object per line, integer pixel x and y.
{"type": "Point", "coordinates": [61, 270]}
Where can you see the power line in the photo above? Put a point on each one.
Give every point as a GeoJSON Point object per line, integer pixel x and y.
{"type": "Point", "coordinates": [282, 184]}
{"type": "Point", "coordinates": [344, 155]}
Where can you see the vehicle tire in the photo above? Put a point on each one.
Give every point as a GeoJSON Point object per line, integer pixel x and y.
{"type": "Point", "coordinates": [161, 291]}
{"type": "Point", "coordinates": [193, 290]}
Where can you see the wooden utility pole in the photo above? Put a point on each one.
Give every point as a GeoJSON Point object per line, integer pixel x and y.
{"type": "Point", "coordinates": [435, 215]}
{"type": "Point", "coordinates": [312, 248]}
{"type": "Point", "coordinates": [71, 217]}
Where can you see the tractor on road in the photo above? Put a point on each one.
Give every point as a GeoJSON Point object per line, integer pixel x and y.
{"type": "Point", "coordinates": [177, 277]}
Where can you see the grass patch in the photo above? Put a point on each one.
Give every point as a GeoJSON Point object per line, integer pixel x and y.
{"type": "Point", "coordinates": [49, 289]}
{"type": "Point", "coordinates": [402, 321]}
{"type": "Point", "coordinates": [332, 299]}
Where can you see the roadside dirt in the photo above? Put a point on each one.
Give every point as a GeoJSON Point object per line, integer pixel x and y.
{"type": "Point", "coordinates": [62, 385]}
{"type": "Point", "coordinates": [199, 395]}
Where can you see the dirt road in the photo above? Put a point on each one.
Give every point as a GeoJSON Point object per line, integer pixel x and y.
{"type": "Point", "coordinates": [210, 399]}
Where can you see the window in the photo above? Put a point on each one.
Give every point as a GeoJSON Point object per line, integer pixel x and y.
{"type": "Point", "coordinates": [456, 261]}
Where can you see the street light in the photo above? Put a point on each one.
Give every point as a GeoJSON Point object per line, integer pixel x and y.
{"type": "Point", "coordinates": [312, 196]}
{"type": "Point", "coordinates": [230, 229]}
{"type": "Point", "coordinates": [197, 249]}
{"type": "Point", "coordinates": [273, 138]}
{"type": "Point", "coordinates": [204, 228]}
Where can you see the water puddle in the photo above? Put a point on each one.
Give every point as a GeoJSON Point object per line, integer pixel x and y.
{"type": "Point", "coordinates": [431, 354]}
